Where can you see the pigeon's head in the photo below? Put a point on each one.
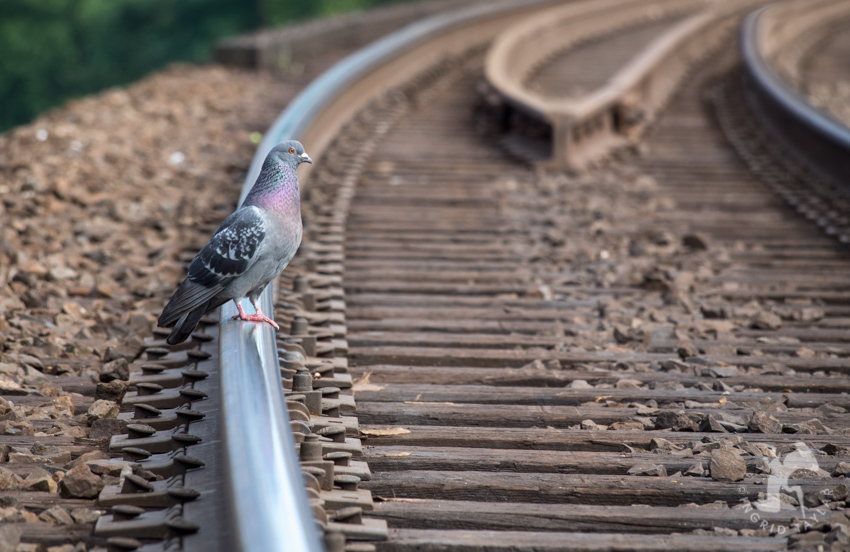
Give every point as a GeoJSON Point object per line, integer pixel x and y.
{"type": "Point", "coordinates": [290, 152]}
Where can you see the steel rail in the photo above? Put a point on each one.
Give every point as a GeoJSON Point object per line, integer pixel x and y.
{"type": "Point", "coordinates": [821, 141]}
{"type": "Point", "coordinates": [269, 509]}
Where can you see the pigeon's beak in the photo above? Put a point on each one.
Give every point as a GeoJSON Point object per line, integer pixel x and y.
{"type": "Point", "coordinates": [306, 158]}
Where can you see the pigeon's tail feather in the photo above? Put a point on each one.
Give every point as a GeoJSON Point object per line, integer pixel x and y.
{"type": "Point", "coordinates": [188, 297]}
{"type": "Point", "coordinates": [186, 324]}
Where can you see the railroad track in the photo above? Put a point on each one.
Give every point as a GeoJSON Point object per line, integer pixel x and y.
{"type": "Point", "coordinates": [629, 358]}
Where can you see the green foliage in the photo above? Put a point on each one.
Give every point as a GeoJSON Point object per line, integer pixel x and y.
{"type": "Point", "coordinates": [53, 50]}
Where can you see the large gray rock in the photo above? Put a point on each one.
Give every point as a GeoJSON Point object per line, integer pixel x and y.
{"type": "Point", "coordinates": [118, 369]}
{"type": "Point", "coordinates": [100, 409]}
{"type": "Point", "coordinates": [727, 465]}
{"type": "Point", "coordinates": [80, 482]}
{"type": "Point", "coordinates": [762, 422]}
{"type": "Point", "coordinates": [676, 421]}
{"type": "Point", "coordinates": [107, 427]}
{"type": "Point", "coordinates": [112, 391]}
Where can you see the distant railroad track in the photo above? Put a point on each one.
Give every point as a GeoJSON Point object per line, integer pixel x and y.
{"type": "Point", "coordinates": [623, 359]}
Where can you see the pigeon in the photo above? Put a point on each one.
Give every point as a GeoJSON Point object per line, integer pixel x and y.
{"type": "Point", "coordinates": [250, 248]}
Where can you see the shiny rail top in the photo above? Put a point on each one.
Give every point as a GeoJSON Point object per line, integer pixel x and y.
{"type": "Point", "coordinates": [269, 506]}
{"type": "Point", "coordinates": [822, 141]}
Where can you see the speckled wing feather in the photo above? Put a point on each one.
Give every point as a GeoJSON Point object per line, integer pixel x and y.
{"type": "Point", "coordinates": [232, 250]}
{"type": "Point", "coordinates": [228, 255]}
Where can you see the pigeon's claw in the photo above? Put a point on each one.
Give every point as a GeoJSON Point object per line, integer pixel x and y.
{"type": "Point", "coordinates": [256, 318]}
{"type": "Point", "coordinates": [259, 317]}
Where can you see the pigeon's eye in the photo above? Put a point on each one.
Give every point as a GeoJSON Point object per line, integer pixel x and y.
{"type": "Point", "coordinates": [291, 150]}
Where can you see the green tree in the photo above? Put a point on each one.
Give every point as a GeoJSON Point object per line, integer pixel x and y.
{"type": "Point", "coordinates": [53, 50]}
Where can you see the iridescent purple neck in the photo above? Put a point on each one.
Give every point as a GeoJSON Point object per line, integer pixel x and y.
{"type": "Point", "coordinates": [276, 189]}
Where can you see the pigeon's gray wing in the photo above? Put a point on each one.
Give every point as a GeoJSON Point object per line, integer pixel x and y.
{"type": "Point", "coordinates": [232, 250]}
{"type": "Point", "coordinates": [228, 255]}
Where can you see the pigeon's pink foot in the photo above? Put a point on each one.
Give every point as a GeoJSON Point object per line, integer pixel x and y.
{"type": "Point", "coordinates": [259, 317]}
